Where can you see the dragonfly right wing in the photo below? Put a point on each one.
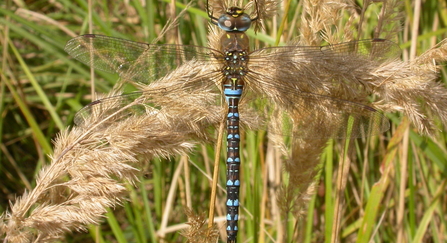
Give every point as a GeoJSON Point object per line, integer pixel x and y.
{"type": "Point", "coordinates": [319, 87]}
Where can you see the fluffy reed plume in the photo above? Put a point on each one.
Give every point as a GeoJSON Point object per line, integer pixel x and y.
{"type": "Point", "coordinates": [92, 159]}
{"type": "Point", "coordinates": [103, 150]}
{"type": "Point", "coordinates": [198, 232]}
{"type": "Point", "coordinates": [171, 114]}
{"type": "Point", "coordinates": [100, 153]}
{"type": "Point", "coordinates": [408, 87]}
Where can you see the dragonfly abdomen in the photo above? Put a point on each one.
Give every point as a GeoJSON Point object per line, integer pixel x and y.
{"type": "Point", "coordinates": [233, 159]}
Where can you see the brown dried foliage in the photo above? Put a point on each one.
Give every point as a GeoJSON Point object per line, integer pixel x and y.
{"type": "Point", "coordinates": [102, 151]}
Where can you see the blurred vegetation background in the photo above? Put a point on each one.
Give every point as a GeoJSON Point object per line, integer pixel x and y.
{"type": "Point", "coordinates": [42, 88]}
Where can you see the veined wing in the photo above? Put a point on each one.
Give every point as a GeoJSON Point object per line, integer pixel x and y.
{"type": "Point", "coordinates": [312, 116]}
{"type": "Point", "coordinates": [318, 87]}
{"type": "Point", "coordinates": [373, 49]}
{"type": "Point", "coordinates": [317, 116]}
{"type": "Point", "coordinates": [134, 61]}
{"type": "Point", "coordinates": [191, 101]}
{"type": "Point", "coordinates": [112, 109]}
{"type": "Point", "coordinates": [340, 70]}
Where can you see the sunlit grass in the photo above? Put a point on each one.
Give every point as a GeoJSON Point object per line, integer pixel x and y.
{"type": "Point", "coordinates": [395, 186]}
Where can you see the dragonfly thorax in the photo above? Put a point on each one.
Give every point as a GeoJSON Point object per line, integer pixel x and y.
{"type": "Point", "coordinates": [235, 64]}
{"type": "Point", "coordinates": [235, 41]}
{"type": "Point", "coordinates": [234, 20]}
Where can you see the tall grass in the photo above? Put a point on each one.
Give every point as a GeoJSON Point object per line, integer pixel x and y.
{"type": "Point", "coordinates": [395, 183]}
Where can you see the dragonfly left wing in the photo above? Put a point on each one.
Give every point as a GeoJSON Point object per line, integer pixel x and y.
{"type": "Point", "coordinates": [134, 61]}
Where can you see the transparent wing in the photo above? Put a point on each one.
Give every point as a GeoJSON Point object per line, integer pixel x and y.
{"type": "Point", "coordinates": [182, 103]}
{"type": "Point", "coordinates": [133, 61]}
{"type": "Point", "coordinates": [305, 115]}
{"type": "Point", "coordinates": [374, 49]}
{"type": "Point", "coordinates": [334, 118]}
{"type": "Point", "coordinates": [112, 108]}
{"type": "Point", "coordinates": [304, 112]}
{"type": "Point", "coordinates": [312, 116]}
{"type": "Point", "coordinates": [317, 88]}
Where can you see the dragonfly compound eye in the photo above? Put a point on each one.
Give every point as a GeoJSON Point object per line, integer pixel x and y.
{"type": "Point", "coordinates": [234, 21]}
{"type": "Point", "coordinates": [226, 22]}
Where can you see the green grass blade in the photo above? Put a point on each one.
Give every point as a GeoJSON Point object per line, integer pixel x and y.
{"type": "Point", "coordinates": [379, 188]}
{"type": "Point", "coordinates": [116, 228]}
{"type": "Point", "coordinates": [37, 132]}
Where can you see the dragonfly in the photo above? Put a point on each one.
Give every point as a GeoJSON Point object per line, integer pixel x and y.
{"type": "Point", "coordinates": [273, 73]}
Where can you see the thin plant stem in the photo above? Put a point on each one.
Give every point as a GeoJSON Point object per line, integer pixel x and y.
{"type": "Point", "coordinates": [215, 174]}
{"type": "Point", "coordinates": [403, 184]}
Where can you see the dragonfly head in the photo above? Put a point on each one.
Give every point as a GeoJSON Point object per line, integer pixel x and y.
{"type": "Point", "coordinates": [234, 20]}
